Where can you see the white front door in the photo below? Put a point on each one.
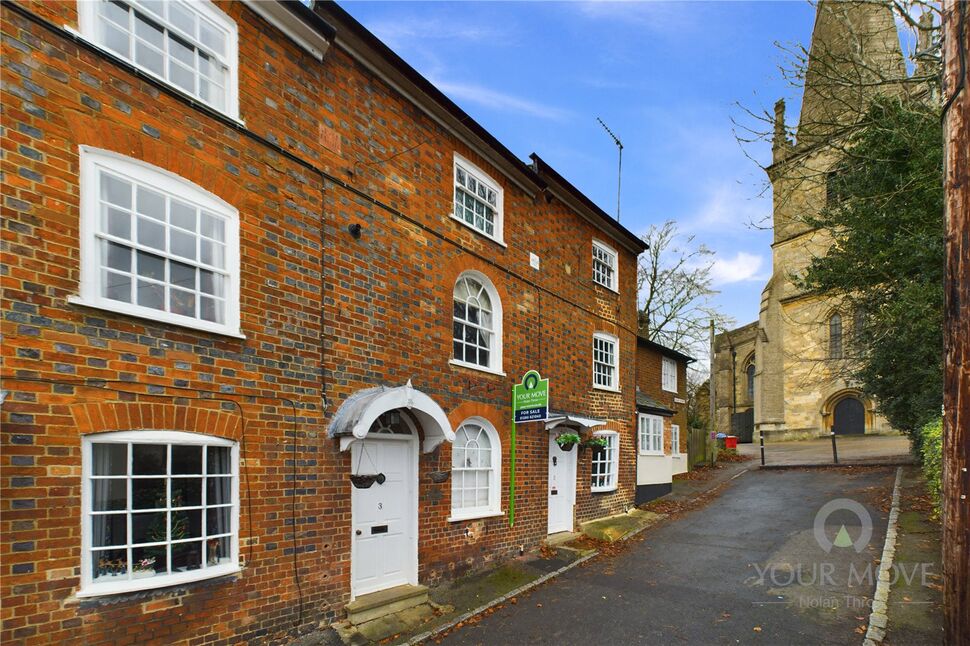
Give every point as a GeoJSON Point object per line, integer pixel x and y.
{"type": "Point", "coordinates": [384, 551]}
{"type": "Point", "coordinates": [562, 487]}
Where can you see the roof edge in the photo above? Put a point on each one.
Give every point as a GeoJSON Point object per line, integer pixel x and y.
{"type": "Point", "coordinates": [580, 201]}
{"type": "Point", "coordinates": [453, 117]}
{"type": "Point", "coordinates": [664, 350]}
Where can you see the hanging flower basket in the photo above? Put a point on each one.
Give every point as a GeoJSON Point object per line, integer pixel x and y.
{"type": "Point", "coordinates": [567, 441]}
{"type": "Point", "coordinates": [439, 476]}
{"type": "Point", "coordinates": [366, 481]}
{"type": "Point", "coordinates": [596, 442]}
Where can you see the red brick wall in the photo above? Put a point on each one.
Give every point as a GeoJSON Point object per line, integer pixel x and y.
{"type": "Point", "coordinates": [650, 380]}
{"type": "Point", "coordinates": [324, 315]}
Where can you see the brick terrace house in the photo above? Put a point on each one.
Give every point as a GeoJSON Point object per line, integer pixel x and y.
{"type": "Point", "coordinates": [661, 401]}
{"type": "Point", "coordinates": [249, 254]}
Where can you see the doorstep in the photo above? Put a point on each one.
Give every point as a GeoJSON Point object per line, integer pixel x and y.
{"type": "Point", "coordinates": [385, 602]}
{"type": "Point", "coordinates": [382, 615]}
{"type": "Point", "coordinates": [620, 526]}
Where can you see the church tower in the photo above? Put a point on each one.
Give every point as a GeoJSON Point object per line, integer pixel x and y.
{"type": "Point", "coordinates": [786, 374]}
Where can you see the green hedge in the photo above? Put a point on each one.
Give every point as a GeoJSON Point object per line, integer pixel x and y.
{"type": "Point", "coordinates": [931, 457]}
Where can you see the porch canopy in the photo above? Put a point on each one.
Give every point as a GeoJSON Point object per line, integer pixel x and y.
{"type": "Point", "coordinates": [647, 404]}
{"type": "Point", "coordinates": [556, 419]}
{"type": "Point", "coordinates": [356, 416]}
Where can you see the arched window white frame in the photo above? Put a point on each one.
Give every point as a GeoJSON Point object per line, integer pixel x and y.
{"type": "Point", "coordinates": [156, 246]}
{"type": "Point", "coordinates": [159, 508]}
{"type": "Point", "coordinates": [476, 323]}
{"type": "Point", "coordinates": [606, 362]}
{"type": "Point", "coordinates": [478, 200]}
{"type": "Point", "coordinates": [605, 466]}
{"type": "Point", "coordinates": [192, 46]}
{"type": "Point", "coordinates": [476, 470]}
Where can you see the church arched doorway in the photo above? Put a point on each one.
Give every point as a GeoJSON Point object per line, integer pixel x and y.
{"type": "Point", "coordinates": [849, 417]}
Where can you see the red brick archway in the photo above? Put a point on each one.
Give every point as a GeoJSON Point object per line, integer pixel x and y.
{"type": "Point", "coordinates": [100, 417]}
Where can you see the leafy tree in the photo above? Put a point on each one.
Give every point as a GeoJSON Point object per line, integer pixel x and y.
{"type": "Point", "coordinates": [887, 257]}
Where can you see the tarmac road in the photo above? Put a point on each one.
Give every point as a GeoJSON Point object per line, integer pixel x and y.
{"type": "Point", "coordinates": [746, 569]}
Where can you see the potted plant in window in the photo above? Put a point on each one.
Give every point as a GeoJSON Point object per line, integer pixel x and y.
{"type": "Point", "coordinates": [567, 441]}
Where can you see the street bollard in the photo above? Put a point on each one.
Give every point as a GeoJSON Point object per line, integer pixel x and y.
{"type": "Point", "coordinates": [761, 438]}
{"type": "Point", "coordinates": [835, 451]}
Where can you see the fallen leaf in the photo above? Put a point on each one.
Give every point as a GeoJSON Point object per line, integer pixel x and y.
{"type": "Point", "coordinates": [757, 629]}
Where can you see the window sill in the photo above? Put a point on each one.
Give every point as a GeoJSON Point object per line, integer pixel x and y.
{"type": "Point", "coordinates": [472, 366]}
{"type": "Point", "coordinates": [458, 518]}
{"type": "Point", "coordinates": [615, 290]}
{"type": "Point", "coordinates": [153, 315]}
{"type": "Point", "coordinates": [652, 454]}
{"type": "Point", "coordinates": [607, 390]}
{"type": "Point", "coordinates": [497, 241]}
{"type": "Point", "coordinates": [668, 390]}
{"type": "Point", "coordinates": [602, 489]}
{"type": "Point", "coordinates": [152, 583]}
{"type": "Point", "coordinates": [155, 77]}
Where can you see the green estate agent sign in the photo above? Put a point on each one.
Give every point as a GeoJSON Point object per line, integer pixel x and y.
{"type": "Point", "coordinates": [530, 399]}
{"type": "Point", "coordinates": [530, 403]}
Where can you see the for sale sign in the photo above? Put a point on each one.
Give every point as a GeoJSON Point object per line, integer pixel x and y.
{"type": "Point", "coordinates": [530, 399]}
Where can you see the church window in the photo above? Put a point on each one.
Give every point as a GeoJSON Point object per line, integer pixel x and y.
{"type": "Point", "coordinates": [835, 336]}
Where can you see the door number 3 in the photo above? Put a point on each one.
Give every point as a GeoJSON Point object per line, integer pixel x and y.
{"type": "Point", "coordinates": [380, 505]}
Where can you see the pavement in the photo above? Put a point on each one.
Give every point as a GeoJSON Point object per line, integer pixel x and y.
{"type": "Point", "coordinates": [916, 596]}
{"type": "Point", "coordinates": [746, 568]}
{"type": "Point", "coordinates": [852, 449]}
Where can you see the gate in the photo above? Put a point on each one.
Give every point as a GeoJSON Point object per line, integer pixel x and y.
{"type": "Point", "coordinates": [742, 425]}
{"type": "Point", "coordinates": [696, 446]}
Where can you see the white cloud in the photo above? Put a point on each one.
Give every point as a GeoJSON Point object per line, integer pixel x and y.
{"type": "Point", "coordinates": [663, 16]}
{"type": "Point", "coordinates": [499, 101]}
{"type": "Point", "coordinates": [408, 31]}
{"type": "Point", "coordinates": [743, 267]}
{"type": "Point", "coordinates": [729, 209]}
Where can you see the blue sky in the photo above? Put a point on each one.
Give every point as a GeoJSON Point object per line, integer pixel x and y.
{"type": "Point", "coordinates": [665, 76]}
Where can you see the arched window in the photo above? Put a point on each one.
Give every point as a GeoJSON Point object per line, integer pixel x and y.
{"type": "Point", "coordinates": [477, 323]}
{"type": "Point", "coordinates": [835, 336]}
{"type": "Point", "coordinates": [476, 457]}
{"type": "Point", "coordinates": [157, 246]}
{"type": "Point", "coordinates": [749, 373]}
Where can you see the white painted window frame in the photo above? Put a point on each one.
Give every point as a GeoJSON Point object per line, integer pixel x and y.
{"type": "Point", "coordinates": [675, 439]}
{"type": "Point", "coordinates": [669, 374]}
{"type": "Point", "coordinates": [613, 285]}
{"type": "Point", "coordinates": [610, 338]}
{"type": "Point", "coordinates": [613, 475]}
{"type": "Point", "coordinates": [650, 428]}
{"type": "Point", "coordinates": [494, 507]}
{"type": "Point", "coordinates": [481, 176]}
{"type": "Point", "coordinates": [93, 161]}
{"type": "Point", "coordinates": [495, 350]}
{"type": "Point", "coordinates": [91, 30]}
{"type": "Point", "coordinates": [88, 586]}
